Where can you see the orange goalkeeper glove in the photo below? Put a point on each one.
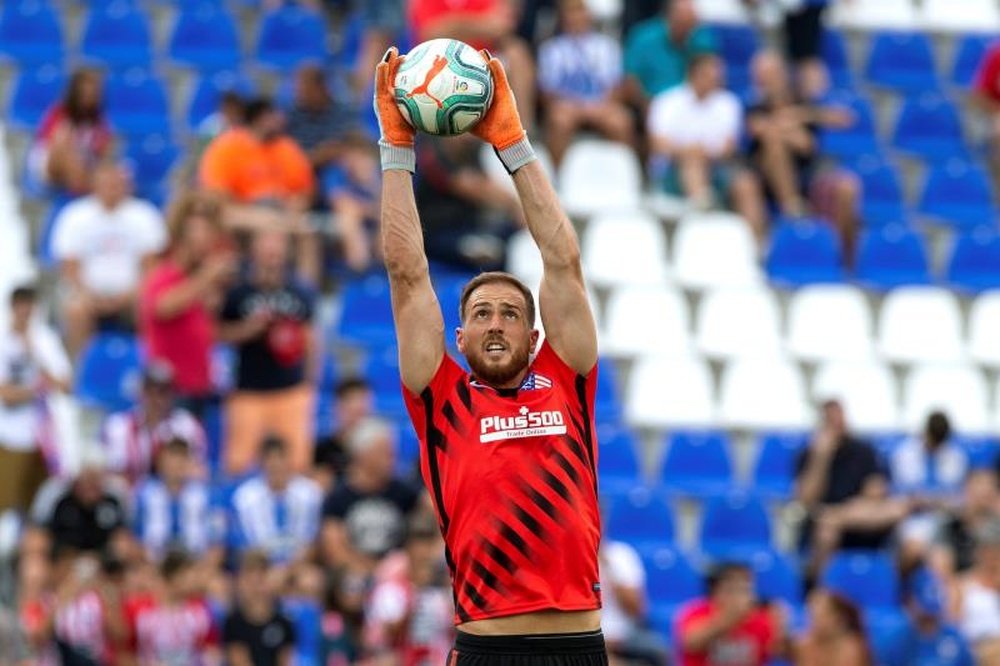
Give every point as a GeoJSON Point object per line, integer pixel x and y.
{"type": "Point", "coordinates": [501, 126]}
{"type": "Point", "coordinates": [395, 134]}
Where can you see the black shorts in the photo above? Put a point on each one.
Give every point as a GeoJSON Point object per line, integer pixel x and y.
{"type": "Point", "coordinates": [580, 649]}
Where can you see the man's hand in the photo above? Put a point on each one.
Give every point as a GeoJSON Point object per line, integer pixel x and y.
{"type": "Point", "coordinates": [501, 126]}
{"type": "Point", "coordinates": [395, 134]}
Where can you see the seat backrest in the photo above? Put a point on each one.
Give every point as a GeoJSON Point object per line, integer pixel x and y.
{"type": "Point", "coordinates": [984, 328]}
{"type": "Point", "coordinates": [34, 92]}
{"type": "Point", "coordinates": [30, 22]}
{"type": "Point", "coordinates": [619, 453]}
{"type": "Point", "coordinates": [892, 256]}
{"type": "Point", "coordinates": [367, 310]}
{"type": "Point", "coordinates": [640, 516]}
{"type": "Point", "coordinates": [208, 91]}
{"type": "Point", "coordinates": [734, 322]}
{"type": "Point", "coordinates": [670, 391]}
{"type": "Point", "coordinates": [136, 91]}
{"type": "Point", "coordinates": [118, 23]}
{"type": "Point", "coordinates": [927, 116]}
{"type": "Point", "coordinates": [868, 579]}
{"type": "Point", "coordinates": [865, 388]}
{"type": "Point", "coordinates": [920, 324]}
{"type": "Point", "coordinates": [895, 52]}
{"type": "Point", "coordinates": [776, 579]}
{"type": "Point", "coordinates": [975, 258]}
{"type": "Point", "coordinates": [205, 26]}
{"type": "Point", "coordinates": [611, 237]}
{"type": "Point", "coordinates": [763, 393]}
{"type": "Point", "coordinates": [599, 176]}
{"type": "Point", "coordinates": [829, 322]}
{"type": "Point", "coordinates": [646, 320]}
{"type": "Point", "coordinates": [290, 34]}
{"type": "Point", "coordinates": [697, 454]}
{"type": "Point", "coordinates": [737, 518]}
{"type": "Point", "coordinates": [957, 389]}
{"type": "Point", "coordinates": [969, 53]}
{"type": "Point", "coordinates": [670, 578]}
{"type": "Point", "coordinates": [776, 455]}
{"type": "Point", "coordinates": [956, 181]}
{"type": "Point", "coordinates": [715, 250]}
{"type": "Point", "coordinates": [880, 178]}
{"type": "Point", "coordinates": [804, 252]}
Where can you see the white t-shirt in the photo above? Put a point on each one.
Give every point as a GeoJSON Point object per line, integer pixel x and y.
{"type": "Point", "coordinates": [912, 470]}
{"type": "Point", "coordinates": [109, 244]}
{"type": "Point", "coordinates": [20, 425]}
{"type": "Point", "coordinates": [678, 116]}
{"type": "Point", "coordinates": [979, 619]}
{"type": "Point", "coordinates": [620, 566]}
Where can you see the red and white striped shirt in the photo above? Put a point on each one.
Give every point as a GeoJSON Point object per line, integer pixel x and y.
{"type": "Point", "coordinates": [131, 443]}
{"type": "Point", "coordinates": [174, 635]}
{"type": "Point", "coordinates": [80, 625]}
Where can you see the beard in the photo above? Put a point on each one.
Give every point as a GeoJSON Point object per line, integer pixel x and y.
{"type": "Point", "coordinates": [498, 374]}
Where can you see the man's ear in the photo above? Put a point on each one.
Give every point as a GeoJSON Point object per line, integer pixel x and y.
{"type": "Point", "coordinates": [535, 335]}
{"type": "Point", "coordinates": [460, 340]}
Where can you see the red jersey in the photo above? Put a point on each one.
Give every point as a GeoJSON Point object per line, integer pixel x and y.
{"type": "Point", "coordinates": [747, 644]}
{"type": "Point", "coordinates": [180, 634]}
{"type": "Point", "coordinates": [423, 14]}
{"type": "Point", "coordinates": [512, 473]}
{"type": "Point", "coordinates": [987, 80]}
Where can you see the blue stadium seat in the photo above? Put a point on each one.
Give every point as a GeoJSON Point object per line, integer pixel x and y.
{"type": "Point", "coordinates": [982, 451]}
{"type": "Point", "coordinates": [969, 53]}
{"type": "Point", "coordinates": [366, 318]}
{"type": "Point", "coordinates": [329, 374]}
{"type": "Point", "coordinates": [382, 372]}
{"type": "Point", "coordinates": [868, 579]}
{"type": "Point", "coordinates": [929, 126]}
{"type": "Point", "coordinates": [137, 103]}
{"type": "Point", "coordinates": [833, 50]}
{"type": "Point", "coordinates": [902, 61]}
{"type": "Point", "coordinates": [208, 91]}
{"type": "Point", "coordinates": [324, 414]}
{"type": "Point", "coordinates": [671, 582]}
{"type": "Point", "coordinates": [735, 526]}
{"type": "Point", "coordinates": [697, 463]}
{"type": "Point", "coordinates": [290, 35]}
{"type": "Point", "coordinates": [858, 139]}
{"type": "Point", "coordinates": [408, 449]}
{"type": "Point", "coordinates": [35, 90]}
{"type": "Point", "coordinates": [607, 403]}
{"type": "Point", "coordinates": [109, 368]}
{"type": "Point", "coordinates": [117, 34]}
{"type": "Point", "coordinates": [205, 37]}
{"type": "Point", "coordinates": [151, 158]}
{"type": "Point", "coordinates": [886, 444]}
{"type": "Point", "coordinates": [44, 242]}
{"type": "Point", "coordinates": [642, 518]}
{"type": "Point", "coordinates": [804, 252]}
{"type": "Point", "coordinates": [776, 578]}
{"type": "Point", "coordinates": [30, 34]}
{"type": "Point", "coordinates": [958, 193]}
{"type": "Point", "coordinates": [882, 194]}
{"type": "Point", "coordinates": [306, 616]}
{"type": "Point", "coordinates": [975, 261]}
{"type": "Point", "coordinates": [774, 471]}
{"type": "Point", "coordinates": [737, 44]}
{"type": "Point", "coordinates": [891, 257]}
{"type": "Point", "coordinates": [617, 459]}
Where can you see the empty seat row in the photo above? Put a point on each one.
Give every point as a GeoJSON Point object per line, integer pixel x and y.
{"type": "Point", "coordinates": [932, 15]}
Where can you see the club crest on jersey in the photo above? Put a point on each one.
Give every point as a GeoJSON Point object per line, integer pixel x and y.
{"type": "Point", "coordinates": [526, 424]}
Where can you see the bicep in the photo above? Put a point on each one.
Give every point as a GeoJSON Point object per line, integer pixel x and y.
{"type": "Point", "coordinates": [419, 331]}
{"type": "Point", "coordinates": [567, 318]}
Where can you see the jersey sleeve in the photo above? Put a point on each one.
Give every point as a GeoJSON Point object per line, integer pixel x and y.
{"type": "Point", "coordinates": [548, 361]}
{"type": "Point", "coordinates": [448, 373]}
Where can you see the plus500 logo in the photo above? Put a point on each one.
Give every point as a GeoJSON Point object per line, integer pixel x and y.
{"type": "Point", "coordinates": [526, 424]}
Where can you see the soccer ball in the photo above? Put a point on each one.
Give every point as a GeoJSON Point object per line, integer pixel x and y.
{"type": "Point", "coordinates": [443, 87]}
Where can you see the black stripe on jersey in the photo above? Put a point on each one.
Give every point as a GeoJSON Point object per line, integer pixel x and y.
{"type": "Point", "coordinates": [453, 420]}
{"type": "Point", "coordinates": [576, 448]}
{"type": "Point", "coordinates": [462, 389]}
{"type": "Point", "coordinates": [553, 482]}
{"type": "Point", "coordinates": [567, 467]}
{"type": "Point", "coordinates": [527, 520]}
{"type": "Point", "coordinates": [499, 557]}
{"type": "Point", "coordinates": [515, 539]}
{"type": "Point", "coordinates": [463, 614]}
{"type": "Point", "coordinates": [489, 578]}
{"type": "Point", "coordinates": [434, 440]}
{"type": "Point", "coordinates": [541, 501]}
{"type": "Point", "coordinates": [588, 437]}
{"type": "Point", "coordinates": [474, 595]}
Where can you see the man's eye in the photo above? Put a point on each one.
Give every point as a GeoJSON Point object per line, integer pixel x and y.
{"type": "Point", "coordinates": [481, 314]}
{"type": "Point", "coordinates": [510, 315]}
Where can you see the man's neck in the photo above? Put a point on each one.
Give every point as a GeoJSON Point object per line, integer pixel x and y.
{"type": "Point", "coordinates": [364, 481]}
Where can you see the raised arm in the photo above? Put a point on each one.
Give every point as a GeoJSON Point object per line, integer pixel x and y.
{"type": "Point", "coordinates": [415, 308]}
{"type": "Point", "coordinates": [565, 308]}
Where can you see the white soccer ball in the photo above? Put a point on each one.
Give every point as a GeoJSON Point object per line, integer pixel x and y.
{"type": "Point", "coordinates": [443, 87]}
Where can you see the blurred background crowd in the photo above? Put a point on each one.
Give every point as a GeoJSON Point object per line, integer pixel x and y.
{"type": "Point", "coordinates": [788, 223]}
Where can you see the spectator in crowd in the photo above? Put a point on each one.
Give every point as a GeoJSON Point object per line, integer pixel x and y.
{"type": "Point", "coordinates": [985, 97]}
{"type": "Point", "coordinates": [580, 76]}
{"type": "Point", "coordinates": [89, 621]}
{"type": "Point", "coordinates": [844, 489]}
{"type": "Point", "coordinates": [411, 613]}
{"type": "Point", "coordinates": [483, 24]}
{"type": "Point", "coordinates": [14, 649]}
{"type": "Point", "coordinates": [623, 614]}
{"type": "Point", "coordinates": [930, 464]}
{"type": "Point", "coordinates": [73, 136]}
{"type": "Point", "coordinates": [104, 242]}
{"type": "Point", "coordinates": [89, 516]}
{"type": "Point", "coordinates": [803, 40]}
{"type": "Point", "coordinates": [276, 511]}
{"type": "Point", "coordinates": [318, 121]}
{"type": "Point", "coordinates": [256, 633]}
{"type": "Point", "coordinates": [954, 547]}
{"type": "Point", "coordinates": [979, 595]}
{"type": "Point", "coordinates": [929, 639]}
{"type": "Point", "coordinates": [35, 604]}
{"type": "Point", "coordinates": [179, 293]}
{"type": "Point", "coordinates": [659, 50]}
{"type": "Point", "coordinates": [268, 316]}
{"type": "Point", "coordinates": [453, 185]}
{"type": "Point", "coordinates": [228, 115]}
{"type": "Point", "coordinates": [835, 635]}
{"type": "Point", "coordinates": [354, 401]}
{"type": "Point", "coordinates": [365, 516]}
{"type": "Point", "coordinates": [173, 510]}
{"type": "Point", "coordinates": [784, 148]}
{"type": "Point", "coordinates": [695, 129]}
{"type": "Point", "coordinates": [132, 438]}
{"type": "Point", "coordinates": [340, 620]}
{"type": "Point", "coordinates": [385, 21]}
{"type": "Point", "coordinates": [728, 626]}
{"type": "Point", "coordinates": [32, 365]}
{"type": "Point", "coordinates": [352, 189]}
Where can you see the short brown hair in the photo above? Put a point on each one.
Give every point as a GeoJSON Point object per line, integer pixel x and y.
{"type": "Point", "coordinates": [189, 204]}
{"type": "Point", "coordinates": [493, 277]}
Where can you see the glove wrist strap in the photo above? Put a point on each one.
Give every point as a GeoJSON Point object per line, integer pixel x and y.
{"type": "Point", "coordinates": [397, 157]}
{"type": "Point", "coordinates": [517, 155]}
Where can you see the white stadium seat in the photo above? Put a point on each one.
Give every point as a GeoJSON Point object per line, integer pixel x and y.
{"type": "Point", "coordinates": [623, 249]}
{"type": "Point", "coordinates": [960, 15]}
{"type": "Point", "coordinates": [874, 14]}
{"type": "Point", "coordinates": [984, 329]}
{"type": "Point", "coordinates": [715, 250]}
{"type": "Point", "coordinates": [523, 258]}
{"type": "Point", "coordinates": [738, 321]}
{"type": "Point", "coordinates": [867, 390]}
{"type": "Point", "coordinates": [829, 322]}
{"type": "Point", "coordinates": [722, 11]}
{"type": "Point", "coordinates": [763, 394]}
{"type": "Point", "coordinates": [646, 320]}
{"type": "Point", "coordinates": [599, 176]}
{"type": "Point", "coordinates": [920, 324]}
{"type": "Point", "coordinates": [605, 10]}
{"type": "Point", "coordinates": [495, 170]}
{"type": "Point", "coordinates": [957, 389]}
{"type": "Point", "coordinates": [670, 392]}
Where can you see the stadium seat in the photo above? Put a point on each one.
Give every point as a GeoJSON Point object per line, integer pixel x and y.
{"type": "Point", "coordinates": [715, 250]}
{"type": "Point", "coordinates": [735, 322]}
{"type": "Point", "coordinates": [882, 194]}
{"type": "Point", "coordinates": [137, 103]}
{"type": "Point", "coordinates": [670, 391]}
{"type": "Point", "coordinates": [891, 257]}
{"type": "Point", "coordinates": [617, 459]}
{"type": "Point", "coordinates": [108, 372]}
{"type": "Point", "coordinates": [982, 450]}
{"type": "Point", "coordinates": [804, 252]}
{"type": "Point", "coordinates": [774, 468]}
{"type": "Point", "coordinates": [874, 14]}
{"type": "Point", "coordinates": [735, 526]}
{"type": "Point", "coordinates": [117, 35]}
{"type": "Point", "coordinates": [959, 16]}
{"type": "Point", "coordinates": [722, 11]}
{"type": "Point", "coordinates": [599, 177]}
{"type": "Point", "coordinates": [646, 320]}
{"type": "Point", "coordinates": [205, 38]}
{"type": "Point", "coordinates": [638, 236]}
{"type": "Point", "coordinates": [207, 93]}
{"type": "Point", "coordinates": [902, 61]}
{"type": "Point", "coordinates": [827, 322]}
{"type": "Point", "coordinates": [737, 43]}
{"type": "Point", "coordinates": [671, 581]}
{"type": "Point", "coordinates": [382, 372]}
{"type": "Point", "coordinates": [929, 127]}
{"type": "Point", "coordinates": [833, 50]}
{"type": "Point", "coordinates": [642, 518]}
{"type": "Point", "coordinates": [30, 34]}
{"type": "Point", "coordinates": [775, 579]}
{"type": "Point", "coordinates": [289, 36]}
{"type": "Point", "coordinates": [957, 389]}
{"type": "Point", "coordinates": [151, 158]}
{"type": "Point", "coordinates": [366, 318]}
{"type": "Point", "coordinates": [859, 138]}
{"type": "Point", "coordinates": [984, 329]}
{"type": "Point", "coordinates": [407, 449]}
{"type": "Point", "coordinates": [697, 463]}
{"type": "Point", "coordinates": [958, 193]}
{"type": "Point", "coordinates": [869, 579]}
{"type": "Point", "coordinates": [763, 393]}
{"type": "Point", "coordinates": [867, 390]}
{"type": "Point", "coordinates": [969, 52]}
{"type": "Point", "coordinates": [920, 324]}
{"type": "Point", "coordinates": [523, 258]}
{"type": "Point", "coordinates": [975, 261]}
{"type": "Point", "coordinates": [34, 92]}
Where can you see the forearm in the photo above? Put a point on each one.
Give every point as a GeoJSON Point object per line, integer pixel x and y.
{"type": "Point", "coordinates": [549, 227]}
{"type": "Point", "coordinates": [176, 300]}
{"type": "Point", "coordinates": [701, 636]}
{"type": "Point", "coordinates": [812, 486]}
{"type": "Point", "coordinates": [236, 332]}
{"type": "Point", "coordinates": [402, 237]}
{"type": "Point", "coordinates": [13, 395]}
{"type": "Point", "coordinates": [868, 514]}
